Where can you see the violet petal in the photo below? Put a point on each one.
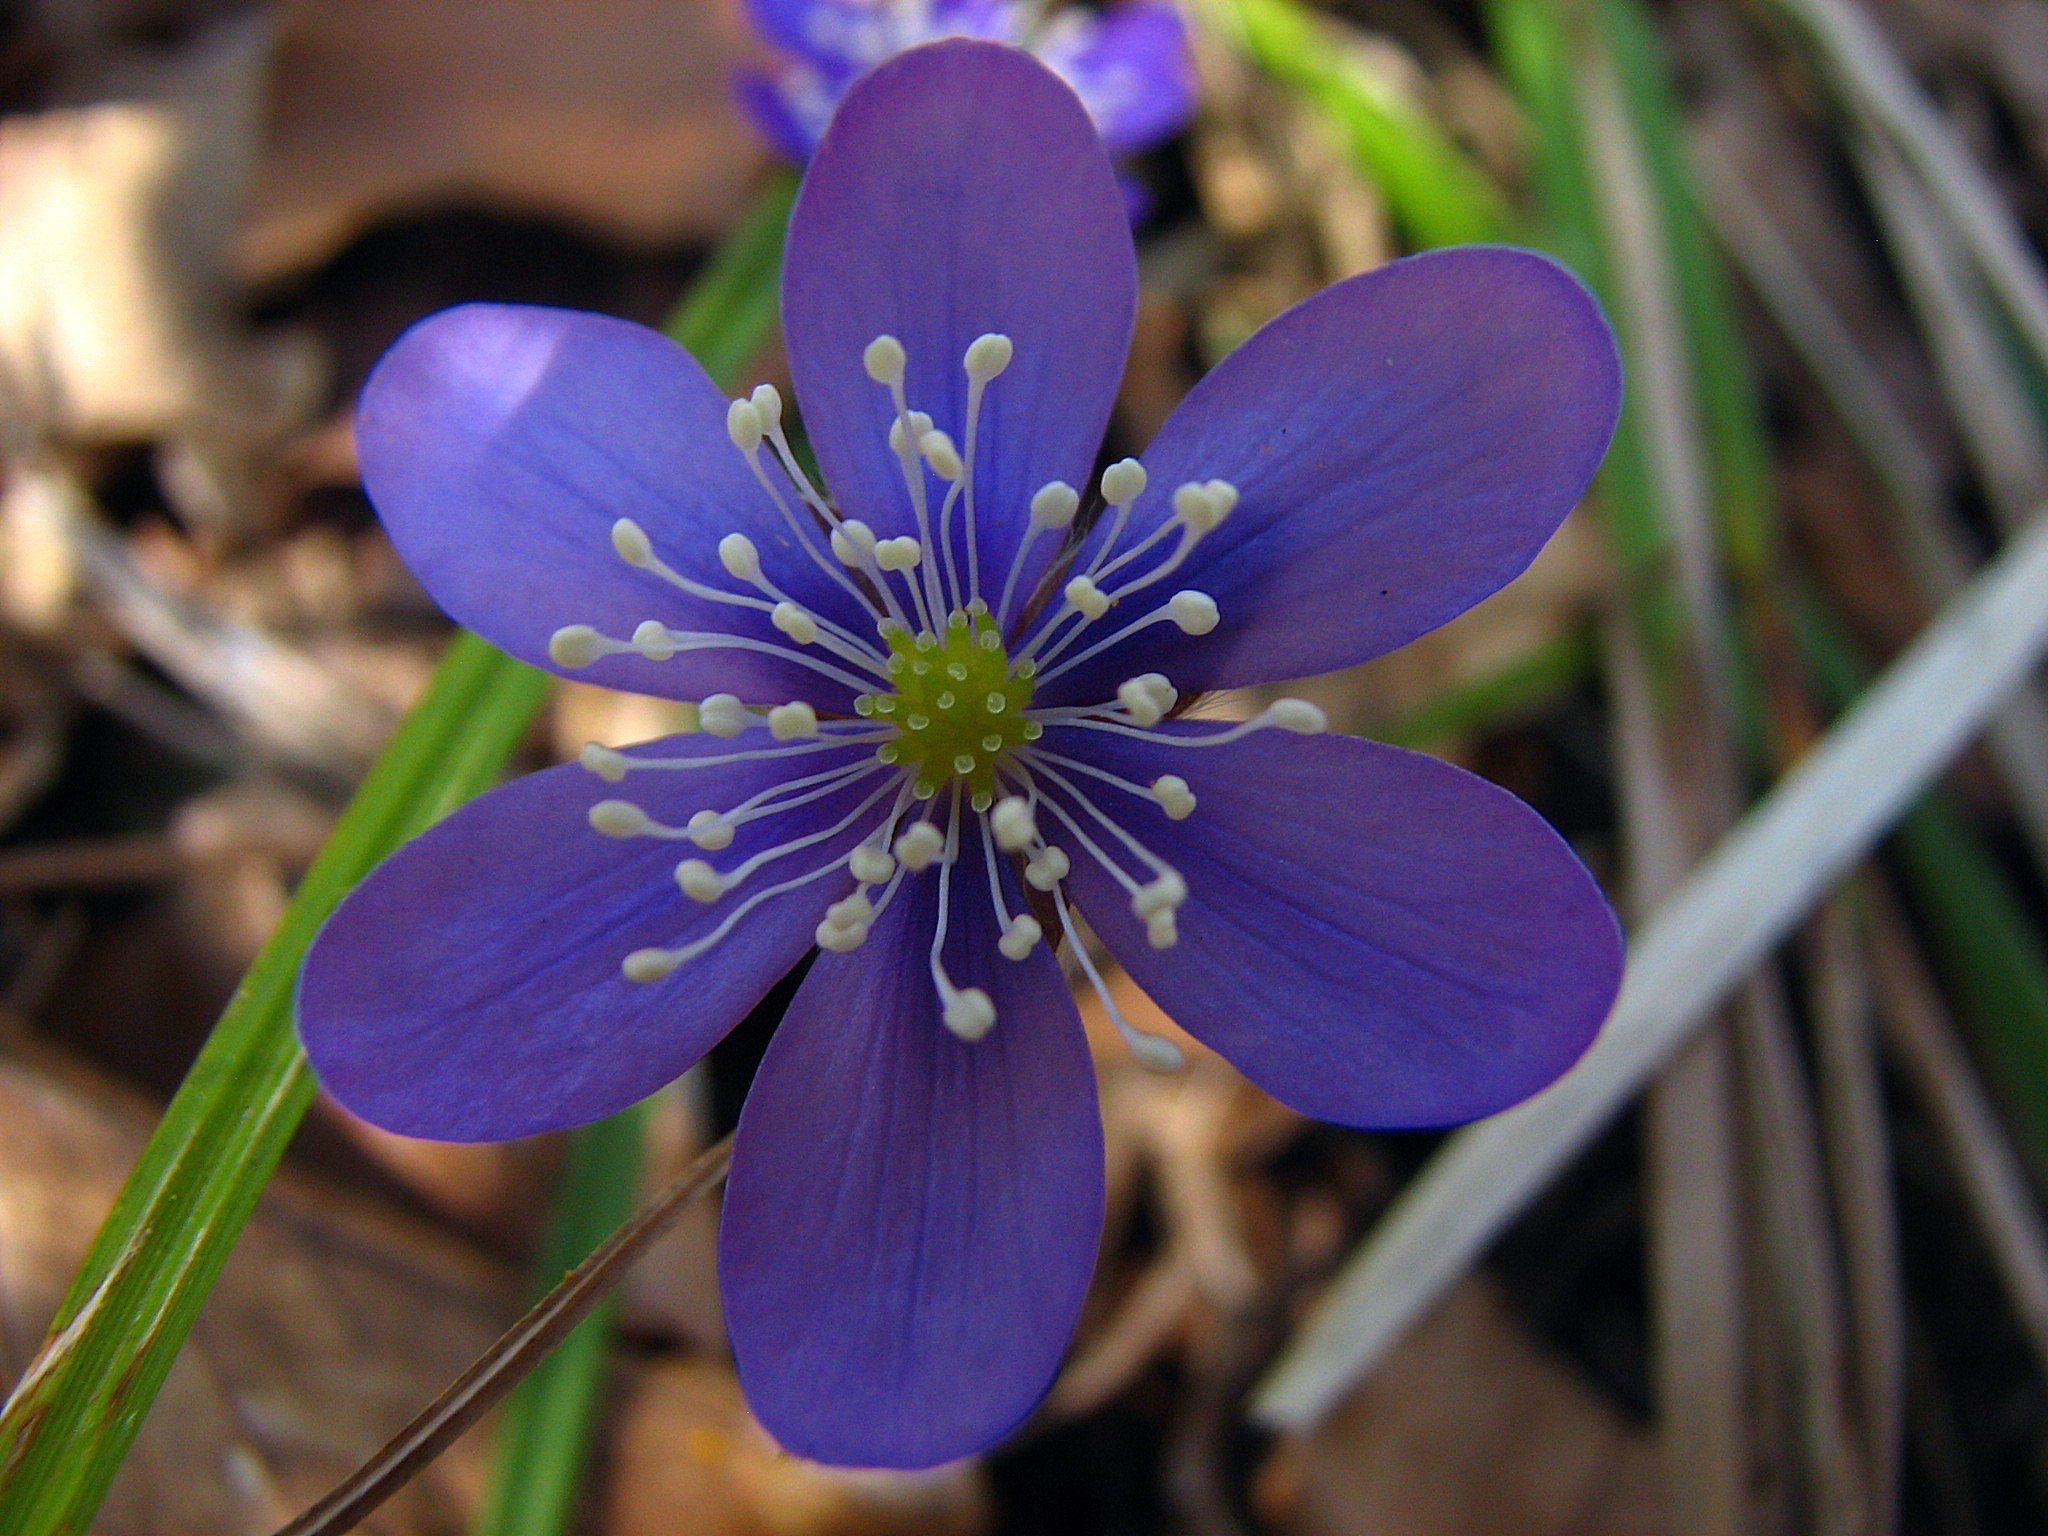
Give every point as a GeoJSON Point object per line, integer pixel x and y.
{"type": "Point", "coordinates": [1403, 443]}
{"type": "Point", "coordinates": [469, 989]}
{"type": "Point", "coordinates": [1373, 936]}
{"type": "Point", "coordinates": [912, 1219]}
{"type": "Point", "coordinates": [961, 189]}
{"type": "Point", "coordinates": [500, 442]}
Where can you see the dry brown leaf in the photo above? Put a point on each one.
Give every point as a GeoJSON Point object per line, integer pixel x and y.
{"type": "Point", "coordinates": [116, 309]}
{"type": "Point", "coordinates": [330, 1325]}
{"type": "Point", "coordinates": [688, 1456]}
{"type": "Point", "coordinates": [1470, 1428]}
{"type": "Point", "coordinates": [613, 113]}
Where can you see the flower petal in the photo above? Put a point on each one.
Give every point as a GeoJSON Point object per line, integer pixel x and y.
{"type": "Point", "coordinates": [1131, 66]}
{"type": "Point", "coordinates": [961, 189]}
{"type": "Point", "coordinates": [1373, 936]}
{"type": "Point", "coordinates": [1403, 443]}
{"type": "Point", "coordinates": [912, 1219]}
{"type": "Point", "coordinates": [469, 989]}
{"type": "Point", "coordinates": [500, 442]}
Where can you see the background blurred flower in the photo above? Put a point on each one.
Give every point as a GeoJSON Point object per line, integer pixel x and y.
{"type": "Point", "coordinates": [1129, 63]}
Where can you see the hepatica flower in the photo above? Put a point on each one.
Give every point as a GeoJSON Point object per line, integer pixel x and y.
{"type": "Point", "coordinates": [941, 712]}
{"type": "Point", "coordinates": [1129, 63]}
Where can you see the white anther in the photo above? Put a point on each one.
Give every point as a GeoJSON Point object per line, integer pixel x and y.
{"type": "Point", "coordinates": [619, 818]}
{"type": "Point", "coordinates": [1174, 796]}
{"type": "Point", "coordinates": [632, 543]}
{"type": "Point", "coordinates": [652, 640]}
{"type": "Point", "coordinates": [787, 722]}
{"type": "Point", "coordinates": [767, 399]}
{"type": "Point", "coordinates": [1054, 504]}
{"type": "Point", "coordinates": [1298, 716]}
{"type": "Point", "coordinates": [744, 426]}
{"type": "Point", "coordinates": [1161, 931]}
{"type": "Point", "coordinates": [1123, 482]}
{"type": "Point", "coordinates": [1161, 894]}
{"type": "Point", "coordinates": [1155, 1053]}
{"type": "Point", "coordinates": [884, 360]}
{"type": "Point", "coordinates": [871, 865]}
{"type": "Point", "coordinates": [710, 831]}
{"type": "Point", "coordinates": [988, 355]}
{"type": "Point", "coordinates": [795, 622]}
{"type": "Point", "coordinates": [574, 645]}
{"type": "Point", "coordinates": [723, 715]}
{"type": "Point", "coordinates": [700, 882]}
{"type": "Point", "coordinates": [1201, 507]}
{"type": "Point", "coordinates": [969, 1013]}
{"type": "Point", "coordinates": [1021, 937]}
{"type": "Point", "coordinates": [1147, 697]}
{"type": "Point", "coordinates": [853, 541]}
{"type": "Point", "coordinates": [1047, 868]}
{"type": "Point", "coordinates": [1013, 824]}
{"type": "Point", "coordinates": [648, 964]}
{"type": "Point", "coordinates": [919, 848]}
{"type": "Point", "coordinates": [603, 761]}
{"type": "Point", "coordinates": [736, 552]}
{"type": "Point", "coordinates": [939, 452]}
{"type": "Point", "coordinates": [898, 554]}
{"type": "Point", "coordinates": [1088, 599]}
{"type": "Point", "coordinates": [1195, 612]}
{"type": "Point", "coordinates": [851, 912]}
{"type": "Point", "coordinates": [840, 938]}
{"type": "Point", "coordinates": [918, 424]}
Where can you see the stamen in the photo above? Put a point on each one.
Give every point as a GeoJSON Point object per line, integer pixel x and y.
{"type": "Point", "coordinates": [919, 847]}
{"type": "Point", "coordinates": [1295, 715]}
{"type": "Point", "coordinates": [745, 426]}
{"type": "Point", "coordinates": [1195, 613]}
{"type": "Point", "coordinates": [1052, 507]}
{"type": "Point", "coordinates": [1165, 892]}
{"type": "Point", "coordinates": [1014, 826]}
{"type": "Point", "coordinates": [653, 964]}
{"type": "Point", "coordinates": [787, 722]}
{"type": "Point", "coordinates": [612, 765]}
{"type": "Point", "coordinates": [1122, 483]}
{"type": "Point", "coordinates": [1147, 697]}
{"type": "Point", "coordinates": [967, 1011]}
{"type": "Point", "coordinates": [987, 356]}
{"type": "Point", "coordinates": [1021, 932]}
{"type": "Point", "coordinates": [701, 882]}
{"type": "Point", "coordinates": [575, 646]}
{"type": "Point", "coordinates": [1154, 1052]}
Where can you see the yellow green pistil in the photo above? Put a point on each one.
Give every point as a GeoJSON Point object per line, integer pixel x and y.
{"type": "Point", "coordinates": [959, 704]}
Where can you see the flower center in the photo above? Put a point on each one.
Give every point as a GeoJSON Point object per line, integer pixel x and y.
{"type": "Point", "coordinates": [958, 707]}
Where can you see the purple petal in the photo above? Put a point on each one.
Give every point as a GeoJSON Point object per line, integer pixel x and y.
{"type": "Point", "coordinates": [469, 989]}
{"type": "Point", "coordinates": [1404, 442]}
{"type": "Point", "coordinates": [912, 1219]}
{"type": "Point", "coordinates": [500, 443]}
{"type": "Point", "coordinates": [960, 189]}
{"type": "Point", "coordinates": [1132, 68]}
{"type": "Point", "coordinates": [1373, 936]}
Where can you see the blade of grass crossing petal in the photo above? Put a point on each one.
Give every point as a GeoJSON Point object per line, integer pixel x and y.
{"type": "Point", "coordinates": [1438, 194]}
{"type": "Point", "coordinates": [544, 1432]}
{"type": "Point", "coordinates": [67, 1425]}
{"type": "Point", "coordinates": [69, 1421]}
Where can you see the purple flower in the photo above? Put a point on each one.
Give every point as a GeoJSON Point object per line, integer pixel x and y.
{"type": "Point", "coordinates": [937, 717]}
{"type": "Point", "coordinates": [1128, 63]}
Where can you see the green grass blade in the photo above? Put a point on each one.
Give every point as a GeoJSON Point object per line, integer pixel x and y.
{"type": "Point", "coordinates": [69, 1421]}
{"type": "Point", "coordinates": [1437, 193]}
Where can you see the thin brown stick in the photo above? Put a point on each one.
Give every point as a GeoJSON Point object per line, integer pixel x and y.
{"type": "Point", "coordinates": [518, 1350]}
